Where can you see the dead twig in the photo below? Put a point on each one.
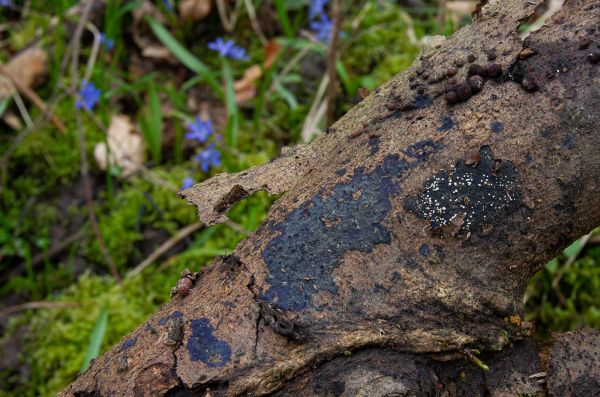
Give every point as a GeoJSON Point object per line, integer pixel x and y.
{"type": "Point", "coordinates": [37, 305]}
{"type": "Point", "coordinates": [34, 98]}
{"type": "Point", "coordinates": [331, 61]}
{"type": "Point", "coordinates": [228, 21]}
{"type": "Point", "coordinates": [254, 22]}
{"type": "Point", "coordinates": [164, 247]}
{"type": "Point", "coordinates": [87, 182]}
{"type": "Point", "coordinates": [40, 257]}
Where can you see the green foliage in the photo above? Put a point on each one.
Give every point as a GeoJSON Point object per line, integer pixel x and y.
{"type": "Point", "coordinates": [136, 215]}
{"type": "Point", "coordinates": [574, 302]}
{"type": "Point", "coordinates": [57, 340]}
{"type": "Point", "coordinates": [381, 46]}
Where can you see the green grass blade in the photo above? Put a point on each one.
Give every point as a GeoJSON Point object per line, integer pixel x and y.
{"type": "Point", "coordinates": [4, 105]}
{"type": "Point", "coordinates": [287, 95]}
{"type": "Point", "coordinates": [96, 338]}
{"type": "Point", "coordinates": [349, 86]}
{"type": "Point", "coordinates": [184, 56]}
{"type": "Point", "coordinates": [232, 110]}
{"type": "Point", "coordinates": [151, 125]}
{"type": "Point", "coordinates": [283, 18]}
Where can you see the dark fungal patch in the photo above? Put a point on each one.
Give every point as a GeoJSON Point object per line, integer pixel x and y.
{"type": "Point", "coordinates": [341, 172]}
{"type": "Point", "coordinates": [422, 150]}
{"type": "Point", "coordinates": [358, 207]}
{"type": "Point", "coordinates": [447, 124]}
{"type": "Point", "coordinates": [569, 142]}
{"type": "Point", "coordinates": [204, 346]}
{"type": "Point", "coordinates": [424, 250]}
{"type": "Point", "coordinates": [163, 320]}
{"type": "Point", "coordinates": [481, 193]}
{"type": "Point", "coordinates": [422, 101]}
{"type": "Point", "coordinates": [374, 144]}
{"type": "Point", "coordinates": [128, 343]}
{"type": "Point", "coordinates": [496, 126]}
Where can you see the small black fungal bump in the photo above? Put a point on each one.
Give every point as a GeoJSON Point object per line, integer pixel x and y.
{"type": "Point", "coordinates": [374, 144]}
{"type": "Point", "coordinates": [359, 207]}
{"type": "Point", "coordinates": [447, 124]}
{"type": "Point", "coordinates": [496, 126]}
{"type": "Point", "coordinates": [341, 172]}
{"type": "Point", "coordinates": [482, 193]}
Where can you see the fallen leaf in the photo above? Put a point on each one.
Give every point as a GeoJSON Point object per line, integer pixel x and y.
{"type": "Point", "coordinates": [461, 7]}
{"type": "Point", "coordinates": [194, 10]}
{"type": "Point", "coordinates": [30, 67]}
{"type": "Point", "coordinates": [245, 88]}
{"type": "Point", "coordinates": [126, 147]}
{"type": "Point", "coordinates": [272, 49]}
{"type": "Point", "coordinates": [143, 37]}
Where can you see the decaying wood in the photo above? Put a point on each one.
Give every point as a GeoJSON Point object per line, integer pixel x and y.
{"type": "Point", "coordinates": [405, 238]}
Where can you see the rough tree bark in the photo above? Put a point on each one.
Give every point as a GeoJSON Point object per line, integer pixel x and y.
{"type": "Point", "coordinates": [405, 238]}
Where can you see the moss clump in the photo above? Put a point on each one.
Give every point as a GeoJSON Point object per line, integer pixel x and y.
{"type": "Point", "coordinates": [574, 301]}
{"type": "Point", "coordinates": [56, 342]}
{"type": "Point", "coordinates": [382, 46]}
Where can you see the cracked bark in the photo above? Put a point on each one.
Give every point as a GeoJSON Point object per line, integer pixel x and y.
{"type": "Point", "coordinates": [405, 238]}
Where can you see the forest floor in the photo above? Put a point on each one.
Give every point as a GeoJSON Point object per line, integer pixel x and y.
{"type": "Point", "coordinates": [157, 96]}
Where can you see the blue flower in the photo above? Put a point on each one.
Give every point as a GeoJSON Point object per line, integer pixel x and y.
{"type": "Point", "coordinates": [168, 5]}
{"type": "Point", "coordinates": [322, 27]}
{"type": "Point", "coordinates": [199, 130]}
{"type": "Point", "coordinates": [89, 96]}
{"type": "Point", "coordinates": [187, 183]}
{"type": "Point", "coordinates": [209, 157]}
{"type": "Point", "coordinates": [317, 7]}
{"type": "Point", "coordinates": [227, 48]}
{"type": "Point", "coordinates": [6, 3]}
{"type": "Point", "coordinates": [106, 42]}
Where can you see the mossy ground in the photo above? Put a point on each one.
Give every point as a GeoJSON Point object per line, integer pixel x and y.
{"type": "Point", "coordinates": [42, 200]}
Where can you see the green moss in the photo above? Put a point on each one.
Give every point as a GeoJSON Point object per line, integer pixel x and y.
{"type": "Point", "coordinates": [382, 46]}
{"type": "Point", "coordinates": [574, 302]}
{"type": "Point", "coordinates": [56, 342]}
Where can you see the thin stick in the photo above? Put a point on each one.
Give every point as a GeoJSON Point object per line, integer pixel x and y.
{"type": "Point", "coordinates": [34, 98]}
{"type": "Point", "coordinates": [286, 70]}
{"type": "Point", "coordinates": [331, 61]}
{"type": "Point", "coordinates": [87, 182]}
{"type": "Point", "coordinates": [228, 22]}
{"type": "Point", "coordinates": [37, 305]}
{"type": "Point", "coordinates": [254, 21]}
{"type": "Point", "coordinates": [164, 247]}
{"type": "Point", "coordinates": [40, 257]}
{"type": "Point", "coordinates": [309, 123]}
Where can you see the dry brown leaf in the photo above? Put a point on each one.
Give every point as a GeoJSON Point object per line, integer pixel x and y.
{"type": "Point", "coordinates": [461, 7]}
{"type": "Point", "coordinates": [12, 120]}
{"type": "Point", "coordinates": [272, 49]}
{"type": "Point", "coordinates": [30, 67]}
{"type": "Point", "coordinates": [194, 10]}
{"type": "Point", "coordinates": [126, 147]}
{"type": "Point", "coordinates": [142, 34]}
{"type": "Point", "coordinates": [245, 88]}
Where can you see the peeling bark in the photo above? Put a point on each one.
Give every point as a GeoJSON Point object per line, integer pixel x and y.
{"type": "Point", "coordinates": [405, 238]}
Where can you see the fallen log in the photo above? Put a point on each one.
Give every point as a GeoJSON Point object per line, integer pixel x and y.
{"type": "Point", "coordinates": [395, 262]}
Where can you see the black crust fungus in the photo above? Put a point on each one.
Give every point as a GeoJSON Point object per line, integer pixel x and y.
{"type": "Point", "coordinates": [318, 232]}
{"type": "Point", "coordinates": [482, 193]}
